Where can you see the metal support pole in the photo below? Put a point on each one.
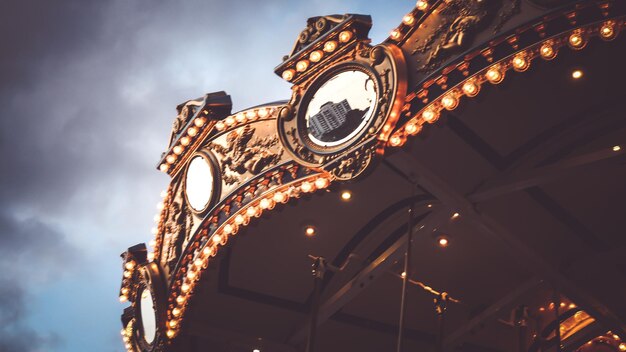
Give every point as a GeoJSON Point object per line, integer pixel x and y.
{"type": "Point", "coordinates": [319, 269]}
{"type": "Point", "coordinates": [557, 327]}
{"type": "Point", "coordinates": [405, 280]}
{"type": "Point", "coordinates": [441, 305]}
{"type": "Point", "coordinates": [521, 325]}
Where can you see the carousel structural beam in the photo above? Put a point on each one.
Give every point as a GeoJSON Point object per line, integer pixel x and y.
{"type": "Point", "coordinates": [235, 339]}
{"type": "Point", "coordinates": [455, 337]}
{"type": "Point", "coordinates": [548, 173]}
{"type": "Point", "coordinates": [436, 185]}
{"type": "Point", "coordinates": [377, 268]}
{"type": "Point", "coordinates": [586, 334]}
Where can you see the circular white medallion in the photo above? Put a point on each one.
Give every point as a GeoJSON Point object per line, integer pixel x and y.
{"type": "Point", "coordinates": [199, 183]}
{"type": "Point", "coordinates": [148, 316]}
{"type": "Point", "coordinates": [341, 108]}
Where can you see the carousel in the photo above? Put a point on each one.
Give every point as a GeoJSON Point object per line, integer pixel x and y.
{"type": "Point", "coordinates": [460, 186]}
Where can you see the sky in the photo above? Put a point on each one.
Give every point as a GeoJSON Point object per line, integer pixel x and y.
{"type": "Point", "coordinates": [88, 90]}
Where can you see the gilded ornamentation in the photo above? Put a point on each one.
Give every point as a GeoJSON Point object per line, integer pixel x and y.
{"type": "Point", "coordinates": [316, 27]}
{"type": "Point", "coordinates": [353, 165]}
{"type": "Point", "coordinates": [186, 111]}
{"type": "Point", "coordinates": [244, 152]}
{"type": "Point", "coordinates": [176, 232]}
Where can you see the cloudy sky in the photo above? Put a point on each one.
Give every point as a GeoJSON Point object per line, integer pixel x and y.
{"type": "Point", "coordinates": [88, 91]}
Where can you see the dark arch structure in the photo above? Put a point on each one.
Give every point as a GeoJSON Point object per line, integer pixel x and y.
{"type": "Point", "coordinates": [475, 204]}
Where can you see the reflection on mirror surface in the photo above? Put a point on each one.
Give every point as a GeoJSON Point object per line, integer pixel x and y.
{"type": "Point", "coordinates": [148, 316]}
{"type": "Point", "coordinates": [340, 108]}
{"type": "Point", "coordinates": [199, 185]}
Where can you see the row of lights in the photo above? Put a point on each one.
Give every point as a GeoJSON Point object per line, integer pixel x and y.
{"type": "Point", "coordinates": [229, 228]}
{"type": "Point", "coordinates": [408, 20]}
{"type": "Point", "coordinates": [316, 56]}
{"type": "Point", "coordinates": [244, 117]}
{"type": "Point", "coordinates": [495, 75]}
{"type": "Point", "coordinates": [189, 134]}
{"type": "Point", "coordinates": [609, 339]}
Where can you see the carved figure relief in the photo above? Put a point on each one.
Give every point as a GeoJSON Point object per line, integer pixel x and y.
{"type": "Point", "coordinates": [177, 231]}
{"type": "Point", "coordinates": [244, 152]}
{"type": "Point", "coordinates": [185, 111]}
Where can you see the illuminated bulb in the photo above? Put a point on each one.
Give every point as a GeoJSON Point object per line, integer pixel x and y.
{"type": "Point", "coordinates": [542, 309]}
{"type": "Point", "coordinates": [185, 141]}
{"type": "Point", "coordinates": [198, 263]}
{"type": "Point", "coordinates": [124, 290]}
{"type": "Point", "coordinates": [125, 339]}
{"type": "Point", "coordinates": [572, 306]}
{"type": "Point", "coordinates": [494, 75]}
{"type": "Point", "coordinates": [170, 158]}
{"type": "Point", "coordinates": [520, 63]}
{"type": "Point", "coordinates": [263, 112]}
{"type": "Point", "coordinates": [345, 36]}
{"type": "Point", "coordinates": [450, 102]}
{"type": "Point", "coordinates": [622, 346]}
{"type": "Point", "coordinates": [615, 337]}
{"type": "Point", "coordinates": [395, 34]}
{"type": "Point", "coordinates": [279, 197]}
{"type": "Point", "coordinates": [160, 206]}
{"type": "Point", "coordinates": [170, 333]}
{"type": "Point", "coordinates": [220, 125]}
{"type": "Point", "coordinates": [430, 115]}
{"type": "Point", "coordinates": [251, 115]}
{"type": "Point", "coordinates": [412, 128]}
{"type": "Point", "coordinates": [241, 117]}
{"type": "Point", "coordinates": [576, 40]}
{"type": "Point", "coordinates": [123, 298]}
{"type": "Point", "coordinates": [309, 230]}
{"type": "Point", "coordinates": [252, 211]}
{"type": "Point", "coordinates": [316, 56]}
{"type": "Point", "coordinates": [547, 51]}
{"type": "Point", "coordinates": [184, 288]}
{"type": "Point", "coordinates": [576, 74]}
{"type": "Point", "coordinates": [192, 131]}
{"type": "Point", "coordinates": [164, 167]}
{"type": "Point", "coordinates": [206, 251]}
{"type": "Point", "coordinates": [130, 265]}
{"type": "Point", "coordinates": [163, 193]}
{"type": "Point", "coordinates": [306, 187]}
{"type": "Point", "coordinates": [127, 274]}
{"type": "Point", "coordinates": [264, 203]}
{"type": "Point", "coordinates": [173, 323]}
{"type": "Point", "coordinates": [443, 242]}
{"type": "Point", "coordinates": [128, 346]}
{"type": "Point", "coordinates": [239, 219]}
{"type": "Point", "coordinates": [288, 74]}
{"type": "Point", "coordinates": [408, 19]}
{"type": "Point", "coordinates": [455, 215]}
{"type": "Point", "coordinates": [152, 243]}
{"type": "Point", "coordinates": [321, 182]}
{"type": "Point", "coordinates": [156, 218]}
{"type": "Point", "coordinates": [228, 229]}
{"type": "Point", "coordinates": [217, 238]}
{"type": "Point", "coordinates": [176, 312]}
{"type": "Point", "coordinates": [403, 274]}
{"type": "Point", "coordinates": [154, 230]}
{"type": "Point", "coordinates": [256, 350]}
{"type": "Point", "coordinates": [230, 121]}
{"type": "Point", "coordinates": [395, 140]}
{"type": "Point", "coordinates": [178, 150]}
{"type": "Point", "coordinates": [470, 88]}
{"type": "Point", "coordinates": [330, 46]}
{"type": "Point", "coordinates": [180, 299]}
{"type": "Point", "coordinates": [607, 31]}
{"type": "Point", "coordinates": [562, 304]}
{"type": "Point", "coordinates": [191, 275]}
{"type": "Point", "coordinates": [346, 195]}
{"type": "Point", "coordinates": [150, 256]}
{"type": "Point", "coordinates": [616, 148]}
{"type": "Point", "coordinates": [421, 5]}
{"type": "Point", "coordinates": [123, 332]}
{"type": "Point", "coordinates": [199, 121]}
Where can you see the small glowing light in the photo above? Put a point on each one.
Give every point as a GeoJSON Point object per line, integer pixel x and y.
{"type": "Point", "coordinates": [185, 141]}
{"type": "Point", "coordinates": [288, 74]}
{"type": "Point", "coordinates": [164, 167]}
{"type": "Point", "coordinates": [316, 56]}
{"type": "Point", "coordinates": [173, 323]}
{"type": "Point", "coordinates": [455, 215]}
{"type": "Point", "coordinates": [572, 306]}
{"type": "Point", "coordinates": [191, 275]}
{"type": "Point", "coordinates": [607, 31]}
{"type": "Point", "coordinates": [413, 128]}
{"type": "Point", "coordinates": [306, 187]}
{"type": "Point", "coordinates": [150, 256]}
{"type": "Point", "coordinates": [127, 274]}
{"type": "Point", "coordinates": [163, 193]}
{"type": "Point", "coordinates": [123, 298]}
{"type": "Point", "coordinates": [346, 195]}
{"type": "Point", "coordinates": [345, 36]}
{"type": "Point", "coordinates": [302, 65]}
{"type": "Point", "coordinates": [622, 346]}
{"type": "Point", "coordinates": [279, 197]}
{"type": "Point", "coordinates": [185, 287]}
{"type": "Point", "coordinates": [395, 140]}
{"type": "Point", "coordinates": [547, 51]}
{"type": "Point", "coordinates": [264, 203]}
{"type": "Point", "coordinates": [156, 218]}
{"type": "Point", "coordinates": [322, 182]}
{"type": "Point", "coordinates": [251, 115]}
{"type": "Point", "coordinates": [198, 263]}
{"type": "Point", "coordinates": [123, 332]}
{"type": "Point", "coordinates": [170, 158]}
{"type": "Point", "coordinates": [576, 40]}
{"type": "Point", "coordinates": [230, 121]}
{"type": "Point", "coordinates": [562, 304]}
{"type": "Point", "coordinates": [130, 265]}
{"type": "Point", "coordinates": [430, 115]}
{"type": "Point", "coordinates": [395, 34]}
{"type": "Point", "coordinates": [450, 102]}
{"type": "Point", "coordinates": [443, 242]}
{"type": "Point", "coordinates": [239, 219]}
{"type": "Point", "coordinates": [125, 290]}
{"type": "Point", "coordinates": [241, 117]}
{"type": "Point", "coordinates": [309, 230]}
{"type": "Point", "coordinates": [615, 337]}
{"type": "Point", "coordinates": [408, 19]}
{"type": "Point", "coordinates": [207, 251]}
{"type": "Point", "coordinates": [199, 121]}
{"type": "Point", "coordinates": [160, 206]}
{"type": "Point", "coordinates": [470, 88]}
{"type": "Point", "coordinates": [220, 125]}
{"type": "Point", "coordinates": [263, 112]}
{"type": "Point", "coordinates": [403, 274]}
{"type": "Point", "coordinates": [520, 63]}
{"type": "Point", "coordinates": [217, 238]}
{"type": "Point", "coordinates": [422, 5]}
{"type": "Point", "coordinates": [170, 333]}
{"type": "Point", "coordinates": [330, 46]}
{"type": "Point", "coordinates": [192, 131]}
{"type": "Point", "coordinates": [256, 350]}
{"type": "Point", "coordinates": [494, 75]}
{"type": "Point", "coordinates": [542, 309]}
{"type": "Point", "coordinates": [617, 148]}
{"type": "Point", "coordinates": [576, 74]}
{"type": "Point", "coordinates": [178, 150]}
{"type": "Point", "coordinates": [252, 211]}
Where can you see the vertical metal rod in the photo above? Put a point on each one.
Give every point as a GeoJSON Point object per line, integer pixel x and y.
{"type": "Point", "coordinates": [440, 325]}
{"type": "Point", "coordinates": [557, 329]}
{"type": "Point", "coordinates": [318, 275]}
{"type": "Point", "coordinates": [405, 280]}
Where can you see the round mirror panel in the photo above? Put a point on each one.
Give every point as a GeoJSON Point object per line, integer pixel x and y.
{"type": "Point", "coordinates": [148, 316]}
{"type": "Point", "coordinates": [341, 108]}
{"type": "Point", "coordinates": [199, 183]}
